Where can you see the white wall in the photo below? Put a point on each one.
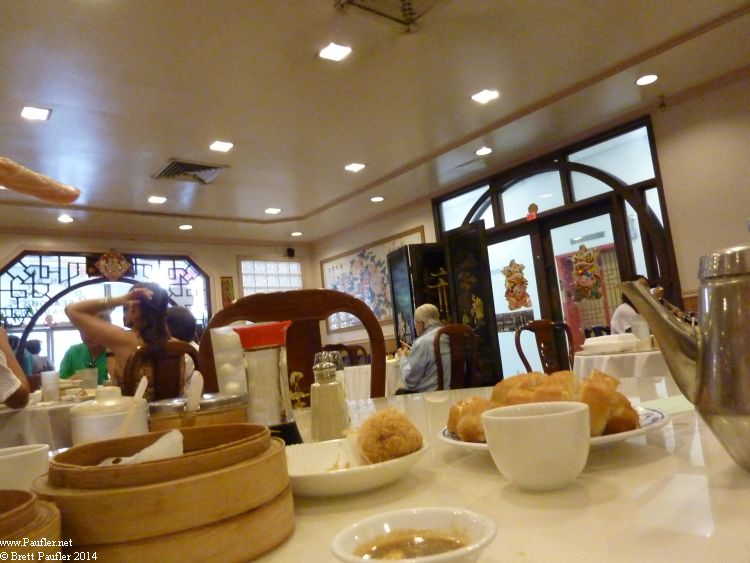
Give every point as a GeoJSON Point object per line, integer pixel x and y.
{"type": "Point", "coordinates": [215, 259]}
{"type": "Point", "coordinates": [703, 147]}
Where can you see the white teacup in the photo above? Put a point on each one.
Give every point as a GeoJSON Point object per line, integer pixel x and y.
{"type": "Point", "coordinates": [539, 446]}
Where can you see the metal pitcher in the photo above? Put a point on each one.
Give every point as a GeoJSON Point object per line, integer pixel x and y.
{"type": "Point", "coordinates": [711, 362]}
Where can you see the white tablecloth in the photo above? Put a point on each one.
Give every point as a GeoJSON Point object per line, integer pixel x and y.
{"type": "Point", "coordinates": [39, 424]}
{"type": "Point", "coordinates": [357, 380]}
{"type": "Point", "coordinates": [621, 365]}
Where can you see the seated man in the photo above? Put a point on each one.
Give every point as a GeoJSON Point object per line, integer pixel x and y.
{"type": "Point", "coordinates": [418, 367]}
{"type": "Point", "coordinates": [41, 363]}
{"type": "Point", "coordinates": [88, 354]}
{"type": "Point", "coordinates": [14, 388]}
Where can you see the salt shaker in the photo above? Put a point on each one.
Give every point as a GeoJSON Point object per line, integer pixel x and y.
{"type": "Point", "coordinates": [329, 409]}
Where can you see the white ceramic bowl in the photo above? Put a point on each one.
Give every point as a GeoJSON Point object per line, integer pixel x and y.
{"type": "Point", "coordinates": [539, 446]}
{"type": "Point", "coordinates": [20, 465]}
{"type": "Point", "coordinates": [328, 468]}
{"type": "Point", "coordinates": [478, 531]}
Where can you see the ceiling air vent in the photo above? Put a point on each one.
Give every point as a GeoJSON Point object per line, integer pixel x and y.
{"type": "Point", "coordinates": [190, 171]}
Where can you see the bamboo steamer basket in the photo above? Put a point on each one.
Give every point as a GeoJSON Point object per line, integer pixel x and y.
{"type": "Point", "coordinates": [240, 538]}
{"type": "Point", "coordinates": [114, 515]}
{"type": "Point", "coordinates": [17, 509]}
{"type": "Point", "coordinates": [23, 516]}
{"type": "Point", "coordinates": [215, 408]}
{"type": "Point", "coordinates": [206, 448]}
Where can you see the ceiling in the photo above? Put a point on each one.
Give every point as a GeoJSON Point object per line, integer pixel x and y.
{"type": "Point", "coordinates": [134, 83]}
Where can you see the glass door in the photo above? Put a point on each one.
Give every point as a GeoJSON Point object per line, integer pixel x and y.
{"type": "Point", "coordinates": [516, 297]}
{"type": "Point", "coordinates": [587, 270]}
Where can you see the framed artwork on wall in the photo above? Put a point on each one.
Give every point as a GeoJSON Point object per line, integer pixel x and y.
{"type": "Point", "coordinates": [363, 273]}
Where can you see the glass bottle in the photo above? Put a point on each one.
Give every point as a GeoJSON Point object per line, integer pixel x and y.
{"type": "Point", "coordinates": [329, 409]}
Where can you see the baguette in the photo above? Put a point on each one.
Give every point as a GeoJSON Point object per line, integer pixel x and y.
{"type": "Point", "coordinates": [20, 179]}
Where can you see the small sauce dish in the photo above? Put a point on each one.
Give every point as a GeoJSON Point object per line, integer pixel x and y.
{"type": "Point", "coordinates": [463, 533]}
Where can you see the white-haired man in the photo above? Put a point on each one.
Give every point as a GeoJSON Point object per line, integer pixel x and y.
{"type": "Point", "coordinates": [418, 367]}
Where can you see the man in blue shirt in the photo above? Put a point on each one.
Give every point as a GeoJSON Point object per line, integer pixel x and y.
{"type": "Point", "coordinates": [418, 367]}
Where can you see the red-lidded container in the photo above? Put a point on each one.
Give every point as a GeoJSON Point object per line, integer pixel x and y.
{"type": "Point", "coordinates": [264, 351]}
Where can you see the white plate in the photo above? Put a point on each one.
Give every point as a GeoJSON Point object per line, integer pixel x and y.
{"type": "Point", "coordinates": [319, 469]}
{"type": "Point", "coordinates": [651, 419]}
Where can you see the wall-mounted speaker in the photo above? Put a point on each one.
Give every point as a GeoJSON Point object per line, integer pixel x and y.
{"type": "Point", "coordinates": [290, 253]}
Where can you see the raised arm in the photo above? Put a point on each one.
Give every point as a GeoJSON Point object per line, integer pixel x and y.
{"type": "Point", "coordinates": [85, 316]}
{"type": "Point", "coordinates": [9, 369]}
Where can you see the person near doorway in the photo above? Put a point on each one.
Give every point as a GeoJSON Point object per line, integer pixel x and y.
{"type": "Point", "coordinates": [417, 363]}
{"type": "Point", "coordinates": [622, 318]}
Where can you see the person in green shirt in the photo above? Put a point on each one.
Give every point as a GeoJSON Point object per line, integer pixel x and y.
{"type": "Point", "coordinates": [86, 355]}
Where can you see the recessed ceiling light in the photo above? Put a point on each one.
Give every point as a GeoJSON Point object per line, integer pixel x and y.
{"type": "Point", "coordinates": [377, 198]}
{"type": "Point", "coordinates": [221, 146]}
{"type": "Point", "coordinates": [485, 96]}
{"type": "Point", "coordinates": [157, 199]}
{"type": "Point", "coordinates": [65, 218]}
{"type": "Point", "coordinates": [297, 234]}
{"type": "Point", "coordinates": [545, 196]}
{"type": "Point", "coordinates": [483, 151]}
{"type": "Point", "coordinates": [185, 227]}
{"type": "Point", "coordinates": [354, 167]}
{"type": "Point", "coordinates": [334, 52]}
{"type": "Point", "coordinates": [37, 114]}
{"type": "Point", "coordinates": [647, 79]}
{"type": "Point", "coordinates": [273, 210]}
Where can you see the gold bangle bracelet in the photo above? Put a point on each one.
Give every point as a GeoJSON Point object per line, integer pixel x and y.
{"type": "Point", "coordinates": [104, 302]}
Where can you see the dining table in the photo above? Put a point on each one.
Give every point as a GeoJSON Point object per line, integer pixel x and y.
{"type": "Point", "coordinates": [357, 380]}
{"type": "Point", "coordinates": [41, 423]}
{"type": "Point", "coordinates": [622, 364]}
{"type": "Point", "coordinates": [671, 494]}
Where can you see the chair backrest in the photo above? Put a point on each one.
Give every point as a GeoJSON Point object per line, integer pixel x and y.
{"type": "Point", "coordinates": [351, 354]}
{"type": "Point", "coordinates": [551, 349]}
{"type": "Point", "coordinates": [164, 367]}
{"type": "Point", "coordinates": [597, 330]}
{"type": "Point", "coordinates": [461, 339]}
{"type": "Point", "coordinates": [358, 355]}
{"type": "Point", "coordinates": [306, 308]}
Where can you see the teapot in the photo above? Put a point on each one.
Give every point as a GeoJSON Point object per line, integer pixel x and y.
{"type": "Point", "coordinates": [711, 361]}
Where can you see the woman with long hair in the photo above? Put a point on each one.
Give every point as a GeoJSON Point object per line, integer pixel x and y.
{"type": "Point", "coordinates": [145, 308]}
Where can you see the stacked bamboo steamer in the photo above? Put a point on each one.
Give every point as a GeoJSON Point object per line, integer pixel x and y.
{"type": "Point", "coordinates": [226, 499]}
{"type": "Point", "coordinates": [30, 521]}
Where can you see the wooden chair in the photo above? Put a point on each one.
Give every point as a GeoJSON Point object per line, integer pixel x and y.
{"type": "Point", "coordinates": [597, 330]}
{"type": "Point", "coordinates": [551, 350]}
{"type": "Point", "coordinates": [358, 355]}
{"type": "Point", "coordinates": [306, 308]}
{"type": "Point", "coordinates": [164, 367]}
{"type": "Point", "coordinates": [461, 338]}
{"type": "Point", "coordinates": [343, 350]}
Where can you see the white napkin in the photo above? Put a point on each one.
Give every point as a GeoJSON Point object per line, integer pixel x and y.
{"type": "Point", "coordinates": [169, 445]}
